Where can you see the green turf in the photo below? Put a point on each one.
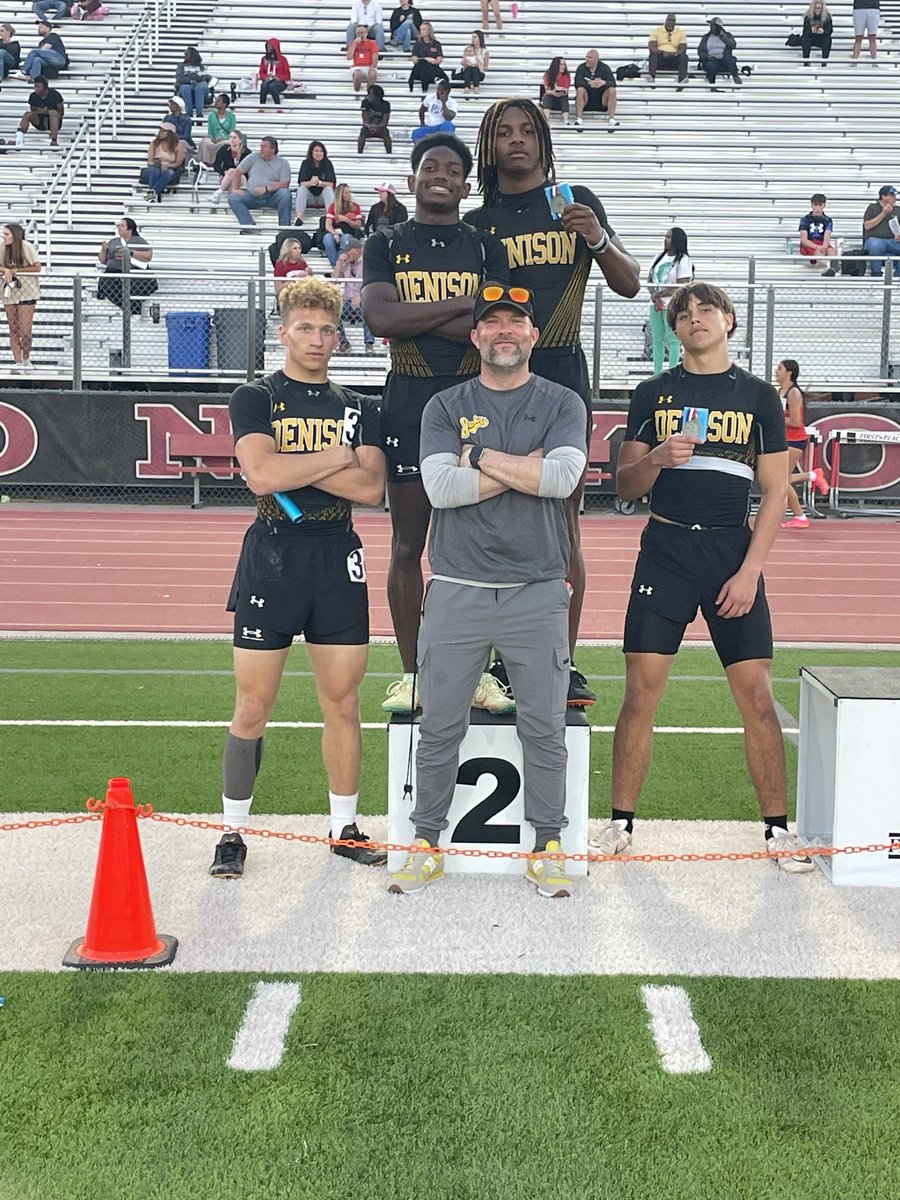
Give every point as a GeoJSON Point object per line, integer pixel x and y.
{"type": "Point", "coordinates": [457, 1088]}
{"type": "Point", "coordinates": [180, 769]}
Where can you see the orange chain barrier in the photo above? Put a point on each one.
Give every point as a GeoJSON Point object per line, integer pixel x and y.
{"type": "Point", "coordinates": [311, 839]}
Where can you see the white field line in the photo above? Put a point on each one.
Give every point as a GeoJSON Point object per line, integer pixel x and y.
{"type": "Point", "coordinates": [259, 1043]}
{"type": "Point", "coordinates": [73, 724]}
{"type": "Point", "coordinates": [675, 1031]}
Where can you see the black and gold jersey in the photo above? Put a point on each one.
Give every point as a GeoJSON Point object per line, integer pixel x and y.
{"type": "Point", "coordinates": [745, 420]}
{"type": "Point", "coordinates": [303, 418]}
{"type": "Point", "coordinates": [427, 263]}
{"type": "Point", "coordinates": [542, 256]}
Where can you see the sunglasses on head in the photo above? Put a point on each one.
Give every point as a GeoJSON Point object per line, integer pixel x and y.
{"type": "Point", "coordinates": [518, 295]}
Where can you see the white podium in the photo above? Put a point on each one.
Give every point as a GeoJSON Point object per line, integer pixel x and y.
{"type": "Point", "coordinates": [848, 779]}
{"type": "Point", "coordinates": [487, 812]}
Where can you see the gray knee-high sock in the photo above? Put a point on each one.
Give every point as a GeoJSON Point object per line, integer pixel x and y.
{"type": "Point", "coordinates": [240, 766]}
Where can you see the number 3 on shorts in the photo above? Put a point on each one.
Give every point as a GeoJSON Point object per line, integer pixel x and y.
{"type": "Point", "coordinates": [356, 566]}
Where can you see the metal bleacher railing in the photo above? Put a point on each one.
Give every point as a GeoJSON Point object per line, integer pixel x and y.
{"type": "Point", "coordinates": [107, 110]}
{"type": "Point", "coordinates": [224, 327]}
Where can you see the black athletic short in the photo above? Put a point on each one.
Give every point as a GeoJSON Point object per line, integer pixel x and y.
{"type": "Point", "coordinates": [680, 570]}
{"type": "Point", "coordinates": [402, 405]}
{"type": "Point", "coordinates": [568, 366]}
{"type": "Point", "coordinates": [596, 99]}
{"type": "Point", "coordinates": [289, 583]}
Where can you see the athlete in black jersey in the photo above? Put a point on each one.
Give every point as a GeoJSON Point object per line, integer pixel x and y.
{"type": "Point", "coordinates": [553, 259]}
{"type": "Point", "coordinates": [419, 284]}
{"type": "Point", "coordinates": [697, 551]}
{"type": "Point", "coordinates": [320, 446]}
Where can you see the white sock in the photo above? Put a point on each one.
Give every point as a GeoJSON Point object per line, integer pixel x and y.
{"type": "Point", "coordinates": [343, 810]}
{"type": "Point", "coordinates": [236, 812]}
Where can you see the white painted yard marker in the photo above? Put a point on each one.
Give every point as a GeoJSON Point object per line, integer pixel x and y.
{"type": "Point", "coordinates": [675, 1031]}
{"type": "Point", "coordinates": [259, 1043]}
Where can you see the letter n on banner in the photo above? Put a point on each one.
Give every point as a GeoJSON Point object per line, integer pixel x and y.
{"type": "Point", "coordinates": [162, 420]}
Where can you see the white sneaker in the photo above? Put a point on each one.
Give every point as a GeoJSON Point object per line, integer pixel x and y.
{"type": "Point", "coordinates": [216, 197]}
{"type": "Point", "coordinates": [613, 124]}
{"type": "Point", "coordinates": [613, 838]}
{"type": "Point", "coordinates": [798, 861]}
{"type": "Point", "coordinates": [15, 368]}
{"type": "Point", "coordinates": [26, 365]}
{"type": "Point", "coordinates": [400, 696]}
{"type": "Point", "coordinates": [20, 138]}
{"type": "Point", "coordinates": [579, 124]}
{"type": "Point", "coordinates": [492, 696]}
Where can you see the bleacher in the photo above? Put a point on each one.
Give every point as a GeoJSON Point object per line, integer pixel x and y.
{"type": "Point", "coordinates": [734, 168]}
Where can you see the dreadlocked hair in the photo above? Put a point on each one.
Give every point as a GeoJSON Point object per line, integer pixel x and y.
{"type": "Point", "coordinates": [486, 145]}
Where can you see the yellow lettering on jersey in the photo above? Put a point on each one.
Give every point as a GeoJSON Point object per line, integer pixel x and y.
{"type": "Point", "coordinates": [424, 287]}
{"type": "Point", "coordinates": [666, 423]}
{"type": "Point", "coordinates": [540, 249]}
{"type": "Point", "coordinates": [468, 427]}
{"type": "Point", "coordinates": [729, 427]}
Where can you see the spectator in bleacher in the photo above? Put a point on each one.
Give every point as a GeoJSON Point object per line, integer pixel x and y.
{"type": "Point", "coordinates": [817, 30]}
{"type": "Point", "coordinates": [556, 84]}
{"type": "Point", "coordinates": [350, 266]}
{"type": "Point", "coordinates": [386, 212]}
{"type": "Point", "coordinates": [10, 51]}
{"type": "Point", "coordinates": [19, 268]}
{"type": "Point", "coordinates": [266, 184]}
{"type": "Point", "coordinates": [50, 56]}
{"type": "Point", "coordinates": [498, 20]}
{"type": "Point", "coordinates": [815, 233]}
{"type": "Point", "coordinates": [427, 56]}
{"type": "Point", "coordinates": [165, 157]}
{"type": "Point", "coordinates": [219, 127]}
{"type": "Point", "coordinates": [595, 90]}
{"type": "Point", "coordinates": [370, 14]}
{"type": "Point", "coordinates": [436, 113]}
{"type": "Point", "coordinates": [225, 166]}
{"type": "Point", "coordinates": [181, 123]}
{"type": "Point", "coordinates": [51, 10]}
{"type": "Point", "coordinates": [192, 82]}
{"type": "Point", "coordinates": [343, 220]}
{"type": "Point", "coordinates": [405, 22]}
{"type": "Point", "coordinates": [290, 264]}
{"type": "Point", "coordinates": [716, 53]}
{"type": "Point", "coordinates": [376, 114]}
{"type": "Point", "coordinates": [881, 229]}
{"type": "Point", "coordinates": [274, 73]}
{"type": "Point", "coordinates": [316, 179]}
{"type": "Point", "coordinates": [45, 113]}
{"type": "Point", "coordinates": [671, 268]}
{"type": "Point", "coordinates": [112, 255]}
{"type": "Point", "coordinates": [362, 54]}
{"type": "Point", "coordinates": [668, 49]}
{"type": "Point", "coordinates": [474, 64]}
{"type": "Point", "coordinates": [866, 17]}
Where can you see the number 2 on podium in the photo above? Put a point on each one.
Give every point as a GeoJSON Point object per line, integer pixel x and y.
{"type": "Point", "coordinates": [473, 827]}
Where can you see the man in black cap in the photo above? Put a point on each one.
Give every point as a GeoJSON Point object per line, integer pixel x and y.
{"type": "Point", "coordinates": [499, 454]}
{"type": "Point", "coordinates": [881, 228]}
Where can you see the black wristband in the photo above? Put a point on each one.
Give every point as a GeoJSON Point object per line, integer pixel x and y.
{"type": "Point", "coordinates": [475, 457]}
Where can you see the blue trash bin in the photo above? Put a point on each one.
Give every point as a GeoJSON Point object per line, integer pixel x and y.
{"type": "Point", "coordinates": [189, 340]}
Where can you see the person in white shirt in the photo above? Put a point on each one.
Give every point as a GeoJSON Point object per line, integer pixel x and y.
{"type": "Point", "coordinates": [370, 14]}
{"type": "Point", "coordinates": [435, 114]}
{"type": "Point", "coordinates": [670, 269]}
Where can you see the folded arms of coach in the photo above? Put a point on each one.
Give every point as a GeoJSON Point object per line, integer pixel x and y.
{"type": "Point", "coordinates": [450, 484]}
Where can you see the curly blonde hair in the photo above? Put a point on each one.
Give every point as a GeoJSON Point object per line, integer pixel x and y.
{"type": "Point", "coordinates": [310, 293]}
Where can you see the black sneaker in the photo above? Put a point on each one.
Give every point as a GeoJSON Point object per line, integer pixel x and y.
{"type": "Point", "coordinates": [498, 670]}
{"type": "Point", "coordinates": [229, 860]}
{"type": "Point", "coordinates": [368, 858]}
{"type": "Point", "coordinates": [580, 695]}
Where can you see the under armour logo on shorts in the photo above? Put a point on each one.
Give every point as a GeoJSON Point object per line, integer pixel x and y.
{"type": "Point", "coordinates": [647, 590]}
{"type": "Point", "coordinates": [259, 601]}
{"type": "Point", "coordinates": [401, 470]}
{"type": "Point", "coordinates": [252, 635]}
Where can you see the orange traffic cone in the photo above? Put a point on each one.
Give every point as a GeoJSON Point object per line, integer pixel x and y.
{"type": "Point", "coordinates": [120, 931]}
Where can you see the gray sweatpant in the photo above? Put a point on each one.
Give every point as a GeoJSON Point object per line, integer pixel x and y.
{"type": "Point", "coordinates": [529, 627]}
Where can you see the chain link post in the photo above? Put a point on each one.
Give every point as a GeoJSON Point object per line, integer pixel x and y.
{"type": "Point", "coordinates": [77, 333]}
{"type": "Point", "coordinates": [251, 330]}
{"type": "Point", "coordinates": [751, 309]}
{"type": "Point", "coordinates": [770, 333]}
{"type": "Point", "coordinates": [886, 319]}
{"type": "Point", "coordinates": [598, 329]}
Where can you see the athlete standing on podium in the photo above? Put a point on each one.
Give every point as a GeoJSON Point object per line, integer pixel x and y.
{"type": "Point", "coordinates": [552, 257]}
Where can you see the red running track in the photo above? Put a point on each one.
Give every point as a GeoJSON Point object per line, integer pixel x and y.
{"type": "Point", "coordinates": [163, 570]}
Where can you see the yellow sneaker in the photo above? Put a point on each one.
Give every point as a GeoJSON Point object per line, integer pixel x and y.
{"type": "Point", "coordinates": [549, 875]}
{"type": "Point", "coordinates": [421, 868]}
{"type": "Point", "coordinates": [399, 697]}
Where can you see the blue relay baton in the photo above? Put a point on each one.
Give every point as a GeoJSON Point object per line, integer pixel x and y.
{"type": "Point", "coordinates": [289, 508]}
